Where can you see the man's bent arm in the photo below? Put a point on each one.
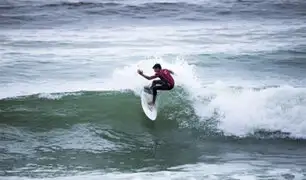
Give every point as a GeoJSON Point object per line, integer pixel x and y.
{"type": "Point", "coordinates": [149, 77]}
{"type": "Point", "coordinates": [170, 71]}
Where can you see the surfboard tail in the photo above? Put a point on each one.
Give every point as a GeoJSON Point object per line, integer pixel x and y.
{"type": "Point", "coordinates": [151, 112]}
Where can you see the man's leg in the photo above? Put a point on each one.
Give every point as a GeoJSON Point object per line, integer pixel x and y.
{"type": "Point", "coordinates": [154, 87]}
{"type": "Point", "coordinates": [160, 86]}
{"type": "Point", "coordinates": [157, 82]}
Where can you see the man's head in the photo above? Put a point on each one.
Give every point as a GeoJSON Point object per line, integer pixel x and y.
{"type": "Point", "coordinates": [157, 67]}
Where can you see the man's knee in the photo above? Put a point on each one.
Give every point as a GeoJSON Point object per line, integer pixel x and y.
{"type": "Point", "coordinates": [154, 89]}
{"type": "Point", "coordinates": [155, 82]}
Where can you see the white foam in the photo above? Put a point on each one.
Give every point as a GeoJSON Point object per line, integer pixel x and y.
{"type": "Point", "coordinates": [127, 77]}
{"type": "Point", "coordinates": [122, 78]}
{"type": "Point", "coordinates": [243, 111]}
{"type": "Point", "coordinates": [55, 96]}
{"type": "Point", "coordinates": [188, 172]}
{"type": "Point", "coordinates": [49, 89]}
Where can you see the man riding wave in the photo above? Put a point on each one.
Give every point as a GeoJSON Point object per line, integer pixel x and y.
{"type": "Point", "coordinates": [166, 81]}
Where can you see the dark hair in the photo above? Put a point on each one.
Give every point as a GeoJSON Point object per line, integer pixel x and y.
{"type": "Point", "coordinates": [157, 66]}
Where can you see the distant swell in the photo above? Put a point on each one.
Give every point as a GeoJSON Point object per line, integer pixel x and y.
{"type": "Point", "coordinates": [44, 11]}
{"type": "Point", "coordinates": [81, 4]}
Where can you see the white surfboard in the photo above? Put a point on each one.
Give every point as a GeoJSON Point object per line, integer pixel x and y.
{"type": "Point", "coordinates": [146, 97]}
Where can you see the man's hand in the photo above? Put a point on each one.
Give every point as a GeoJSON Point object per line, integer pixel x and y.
{"type": "Point", "coordinates": [140, 72]}
{"type": "Point", "coordinates": [145, 76]}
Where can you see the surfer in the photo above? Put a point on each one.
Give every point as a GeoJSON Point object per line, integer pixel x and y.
{"type": "Point", "coordinates": [166, 81]}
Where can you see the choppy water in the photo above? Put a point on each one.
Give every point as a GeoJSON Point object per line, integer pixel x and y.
{"type": "Point", "coordinates": [69, 91]}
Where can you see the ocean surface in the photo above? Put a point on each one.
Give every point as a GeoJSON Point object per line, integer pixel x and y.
{"type": "Point", "coordinates": [69, 89]}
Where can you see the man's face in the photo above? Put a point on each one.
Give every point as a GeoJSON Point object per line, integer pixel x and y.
{"type": "Point", "coordinates": [156, 70]}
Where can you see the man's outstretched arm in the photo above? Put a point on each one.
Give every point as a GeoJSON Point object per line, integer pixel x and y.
{"type": "Point", "coordinates": [145, 76]}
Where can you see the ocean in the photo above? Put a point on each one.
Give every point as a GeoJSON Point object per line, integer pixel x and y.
{"type": "Point", "coordinates": [70, 104]}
